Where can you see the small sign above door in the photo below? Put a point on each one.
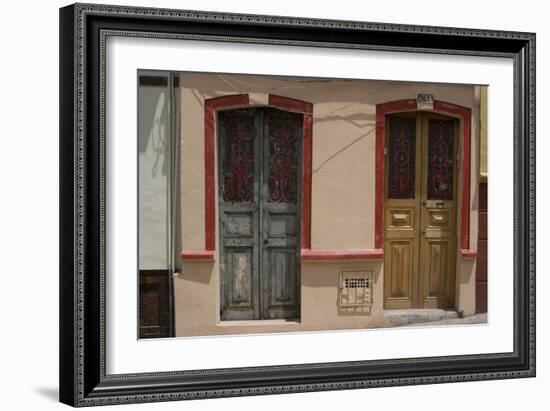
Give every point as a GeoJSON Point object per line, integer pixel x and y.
{"type": "Point", "coordinates": [424, 102]}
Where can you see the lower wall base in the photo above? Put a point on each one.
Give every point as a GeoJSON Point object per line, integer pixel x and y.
{"type": "Point", "coordinates": [197, 302]}
{"type": "Point", "coordinates": [261, 327]}
{"type": "Point", "coordinates": [197, 293]}
{"type": "Point", "coordinates": [389, 319]}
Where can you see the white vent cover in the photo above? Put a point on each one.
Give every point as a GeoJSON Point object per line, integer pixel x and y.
{"type": "Point", "coordinates": [356, 288]}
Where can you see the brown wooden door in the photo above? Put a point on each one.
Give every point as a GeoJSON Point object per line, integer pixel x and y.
{"type": "Point", "coordinates": [154, 304]}
{"type": "Point", "coordinates": [420, 210]}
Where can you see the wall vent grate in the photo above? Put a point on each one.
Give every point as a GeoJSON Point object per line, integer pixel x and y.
{"type": "Point", "coordinates": [356, 288]}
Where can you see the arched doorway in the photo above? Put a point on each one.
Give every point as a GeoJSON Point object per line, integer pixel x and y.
{"type": "Point", "coordinates": [259, 203]}
{"type": "Point", "coordinates": [420, 210]}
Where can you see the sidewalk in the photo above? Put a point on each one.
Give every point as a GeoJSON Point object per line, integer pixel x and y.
{"type": "Point", "coordinates": [421, 317]}
{"type": "Point", "coordinates": [472, 319]}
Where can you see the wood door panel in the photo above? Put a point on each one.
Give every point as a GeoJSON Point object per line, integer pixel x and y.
{"type": "Point", "coordinates": [439, 219]}
{"type": "Point", "coordinates": [282, 291]}
{"type": "Point", "coordinates": [239, 224]}
{"type": "Point", "coordinates": [400, 218]}
{"type": "Point", "coordinates": [281, 225]}
{"type": "Point", "coordinates": [420, 210]}
{"type": "Point", "coordinates": [259, 203]}
{"type": "Point", "coordinates": [437, 269]}
{"type": "Point", "coordinates": [239, 149]}
{"type": "Point", "coordinates": [438, 212]}
{"type": "Point", "coordinates": [281, 188]}
{"type": "Point", "coordinates": [239, 289]}
{"type": "Point", "coordinates": [240, 263]}
{"type": "Point", "coordinates": [399, 273]}
{"type": "Point", "coordinates": [280, 266]}
{"type": "Point", "coordinates": [401, 215]}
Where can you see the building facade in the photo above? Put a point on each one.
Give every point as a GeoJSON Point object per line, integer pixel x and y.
{"type": "Point", "coordinates": [321, 204]}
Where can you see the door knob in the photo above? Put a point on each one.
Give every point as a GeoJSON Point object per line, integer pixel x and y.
{"type": "Point", "coordinates": [266, 241]}
{"type": "Point", "coordinates": [423, 232]}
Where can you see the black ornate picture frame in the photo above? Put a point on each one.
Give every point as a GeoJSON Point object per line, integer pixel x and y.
{"type": "Point", "coordinates": [83, 32]}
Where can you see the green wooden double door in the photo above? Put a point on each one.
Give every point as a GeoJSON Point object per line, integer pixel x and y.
{"type": "Point", "coordinates": [259, 170]}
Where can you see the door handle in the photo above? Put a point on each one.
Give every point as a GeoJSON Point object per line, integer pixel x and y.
{"type": "Point", "coordinates": [266, 241]}
{"type": "Point", "coordinates": [423, 232]}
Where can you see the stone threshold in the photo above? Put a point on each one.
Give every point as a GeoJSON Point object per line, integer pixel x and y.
{"type": "Point", "coordinates": [233, 323]}
{"type": "Point", "coordinates": [470, 319]}
{"type": "Point", "coordinates": [399, 318]}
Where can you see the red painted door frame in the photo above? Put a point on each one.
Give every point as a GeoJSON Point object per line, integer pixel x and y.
{"type": "Point", "coordinates": [306, 108]}
{"type": "Point", "coordinates": [464, 115]}
{"type": "Point", "coordinates": [240, 101]}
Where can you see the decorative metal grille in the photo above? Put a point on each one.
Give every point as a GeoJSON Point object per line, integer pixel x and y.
{"type": "Point", "coordinates": [238, 162]}
{"type": "Point", "coordinates": [440, 159]}
{"type": "Point", "coordinates": [356, 288]}
{"type": "Point", "coordinates": [283, 158]}
{"type": "Point", "coordinates": [402, 157]}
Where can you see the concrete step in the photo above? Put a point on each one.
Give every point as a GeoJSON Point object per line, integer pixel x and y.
{"type": "Point", "coordinates": [472, 319]}
{"type": "Point", "coordinates": [398, 318]}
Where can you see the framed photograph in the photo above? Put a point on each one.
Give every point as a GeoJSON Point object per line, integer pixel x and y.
{"type": "Point", "coordinates": [262, 204]}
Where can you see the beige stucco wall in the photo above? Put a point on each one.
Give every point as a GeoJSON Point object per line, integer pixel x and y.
{"type": "Point", "coordinates": [466, 266]}
{"type": "Point", "coordinates": [342, 195]}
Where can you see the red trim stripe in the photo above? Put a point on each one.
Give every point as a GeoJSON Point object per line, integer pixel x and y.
{"type": "Point", "coordinates": [290, 104]}
{"type": "Point", "coordinates": [468, 253]}
{"type": "Point", "coordinates": [342, 255]}
{"type": "Point", "coordinates": [454, 110]}
{"type": "Point", "coordinates": [464, 114]}
{"type": "Point", "coordinates": [306, 181]}
{"type": "Point", "coordinates": [242, 100]}
{"type": "Point", "coordinates": [197, 255]}
{"type": "Point", "coordinates": [210, 107]}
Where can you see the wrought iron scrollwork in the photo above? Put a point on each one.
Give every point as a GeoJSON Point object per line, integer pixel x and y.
{"type": "Point", "coordinates": [402, 158]}
{"type": "Point", "coordinates": [238, 163]}
{"type": "Point", "coordinates": [283, 159]}
{"type": "Point", "coordinates": [440, 159]}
